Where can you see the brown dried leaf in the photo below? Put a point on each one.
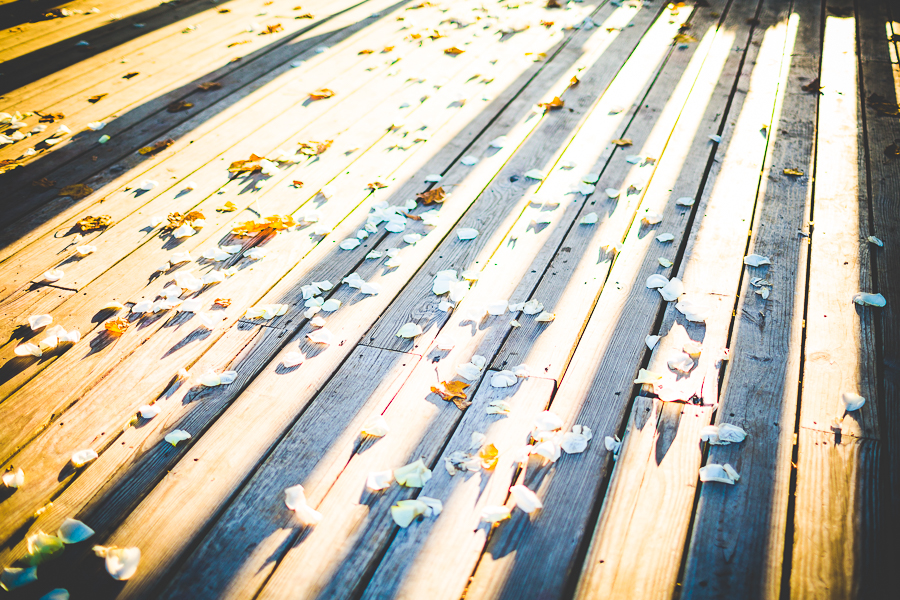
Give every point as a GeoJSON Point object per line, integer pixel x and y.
{"type": "Point", "coordinates": [547, 23]}
{"type": "Point", "coordinates": [222, 11]}
{"type": "Point", "coordinates": [306, 16]}
{"type": "Point", "coordinates": [321, 94]}
{"type": "Point", "coordinates": [97, 98]}
{"type": "Point", "coordinates": [94, 223]}
{"type": "Point", "coordinates": [117, 326]}
{"type": "Point", "coordinates": [793, 172]}
{"type": "Point", "coordinates": [553, 4]}
{"type": "Point", "coordinates": [176, 219]}
{"type": "Point", "coordinates": [77, 191]}
{"type": "Point", "coordinates": [233, 44]}
{"type": "Point", "coordinates": [179, 105]}
{"type": "Point", "coordinates": [376, 185]}
{"type": "Point", "coordinates": [130, 75]}
{"type": "Point", "coordinates": [209, 86]}
{"type": "Point", "coordinates": [235, 59]}
{"type": "Point", "coordinates": [453, 50]}
{"type": "Point", "coordinates": [8, 164]}
{"type": "Point", "coordinates": [223, 302]}
{"type": "Point", "coordinates": [157, 147]}
{"type": "Point", "coordinates": [812, 86]}
{"type": "Point", "coordinates": [434, 195]}
{"type": "Point", "coordinates": [272, 29]}
{"type": "Point", "coordinates": [314, 148]}
{"type": "Point", "coordinates": [366, 52]}
{"type": "Point", "coordinates": [452, 391]}
{"type": "Point", "coordinates": [684, 38]}
{"type": "Point", "coordinates": [622, 142]}
{"type": "Point", "coordinates": [43, 182]}
{"type": "Point", "coordinates": [244, 166]}
{"type": "Point", "coordinates": [50, 117]}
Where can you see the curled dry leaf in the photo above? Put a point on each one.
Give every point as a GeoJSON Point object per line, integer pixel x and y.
{"type": "Point", "coordinates": [179, 105]}
{"type": "Point", "coordinates": [432, 196]}
{"type": "Point", "coordinates": [156, 147]}
{"type": "Point", "coordinates": [117, 326]}
{"type": "Point", "coordinates": [209, 86]}
{"type": "Point", "coordinates": [452, 391]}
{"type": "Point", "coordinates": [453, 50]}
{"type": "Point", "coordinates": [622, 142]}
{"type": "Point", "coordinates": [321, 94]}
{"type": "Point", "coordinates": [793, 172]}
{"type": "Point", "coordinates": [76, 191]}
{"type": "Point", "coordinates": [376, 185]}
{"type": "Point", "coordinates": [554, 104]}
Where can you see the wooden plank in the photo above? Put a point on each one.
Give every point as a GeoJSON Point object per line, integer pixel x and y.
{"type": "Point", "coordinates": [149, 123]}
{"type": "Point", "coordinates": [738, 538]}
{"type": "Point", "coordinates": [314, 453]}
{"type": "Point", "coordinates": [659, 458]}
{"type": "Point", "coordinates": [597, 384]}
{"type": "Point", "coordinates": [434, 558]}
{"type": "Point", "coordinates": [837, 529]}
{"type": "Point", "coordinates": [839, 512]}
{"type": "Point", "coordinates": [270, 119]}
{"type": "Point", "coordinates": [360, 519]}
{"type": "Point", "coordinates": [662, 125]}
{"type": "Point", "coordinates": [161, 78]}
{"type": "Point", "coordinates": [98, 414]}
{"type": "Point", "coordinates": [510, 188]}
{"type": "Point", "coordinates": [347, 229]}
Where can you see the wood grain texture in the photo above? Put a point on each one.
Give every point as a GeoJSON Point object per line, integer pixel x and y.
{"type": "Point", "coordinates": [880, 76]}
{"type": "Point", "coordinates": [661, 124]}
{"type": "Point", "coordinates": [636, 548]}
{"type": "Point", "coordinates": [510, 188]}
{"type": "Point", "coordinates": [433, 558]}
{"type": "Point", "coordinates": [748, 522]}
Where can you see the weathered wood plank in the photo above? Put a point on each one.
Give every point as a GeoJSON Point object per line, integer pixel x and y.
{"type": "Point", "coordinates": [662, 125]}
{"type": "Point", "coordinates": [881, 76]}
{"type": "Point", "coordinates": [350, 226]}
{"type": "Point", "coordinates": [738, 538]}
{"type": "Point", "coordinates": [635, 552]}
{"type": "Point", "coordinates": [596, 386]}
{"type": "Point", "coordinates": [152, 122]}
{"type": "Point", "coordinates": [433, 558]}
{"type": "Point", "coordinates": [417, 303]}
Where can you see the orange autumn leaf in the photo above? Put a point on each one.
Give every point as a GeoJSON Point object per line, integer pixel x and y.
{"type": "Point", "coordinates": [94, 223]}
{"type": "Point", "coordinates": [273, 222]}
{"type": "Point", "coordinates": [272, 29]}
{"type": "Point", "coordinates": [176, 219]}
{"type": "Point", "coordinates": [366, 52]}
{"type": "Point", "coordinates": [376, 185]}
{"type": "Point", "coordinates": [387, 48]}
{"type": "Point", "coordinates": [223, 302]}
{"type": "Point", "coordinates": [574, 81]}
{"type": "Point", "coordinates": [77, 191]}
{"type": "Point", "coordinates": [453, 50]}
{"type": "Point", "coordinates": [547, 23]}
{"type": "Point", "coordinates": [297, 183]}
{"type": "Point", "coordinates": [435, 195]}
{"type": "Point", "coordinates": [209, 86]}
{"type": "Point", "coordinates": [554, 104]}
{"type": "Point", "coordinates": [117, 326]}
{"type": "Point", "coordinates": [452, 391]}
{"type": "Point", "coordinates": [227, 207]}
{"type": "Point", "coordinates": [157, 147]}
{"type": "Point", "coordinates": [321, 94]}
{"type": "Point", "coordinates": [489, 455]}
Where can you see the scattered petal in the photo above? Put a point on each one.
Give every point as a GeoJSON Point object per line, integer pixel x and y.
{"type": "Point", "coordinates": [756, 260]}
{"type": "Point", "coordinates": [525, 499]}
{"type": "Point", "coordinates": [466, 233]}
{"type": "Point", "coordinates": [83, 457]}
{"type": "Point", "coordinates": [665, 237]}
{"type": "Point", "coordinates": [178, 435]}
{"type": "Point", "coordinates": [14, 479]}
{"type": "Point", "coordinates": [51, 276]}
{"type": "Point", "coordinates": [321, 336]}
{"type": "Point", "coordinates": [864, 299]}
{"type": "Point", "coordinates": [409, 331]}
{"type": "Point", "coordinates": [718, 473]}
{"type": "Point", "coordinates": [295, 500]}
{"type": "Point", "coordinates": [72, 531]}
{"type": "Point", "coordinates": [589, 219]}
{"type": "Point", "coordinates": [852, 401]}
{"type": "Point", "coordinates": [121, 563]}
{"type": "Point", "coordinates": [415, 474]}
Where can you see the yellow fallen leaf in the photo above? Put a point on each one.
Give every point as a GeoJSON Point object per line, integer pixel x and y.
{"type": "Point", "coordinates": [453, 50]}
{"type": "Point", "coordinates": [452, 391]}
{"type": "Point", "coordinates": [489, 455]}
{"type": "Point", "coordinates": [321, 94]}
{"type": "Point", "coordinates": [77, 191]}
{"type": "Point", "coordinates": [117, 326]}
{"type": "Point", "coordinates": [93, 223]}
{"type": "Point", "coordinates": [794, 172]}
{"type": "Point", "coordinates": [622, 142]}
{"type": "Point", "coordinates": [227, 207]}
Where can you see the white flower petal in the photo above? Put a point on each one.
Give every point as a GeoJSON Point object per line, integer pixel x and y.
{"type": "Point", "coordinates": [685, 201]}
{"type": "Point", "coordinates": [693, 311]}
{"type": "Point", "coordinates": [13, 577]}
{"type": "Point", "coordinates": [498, 142]}
{"type": "Point", "coordinates": [178, 435]}
{"type": "Point", "coordinates": [665, 237]}
{"type": "Point", "coordinates": [349, 244]}
{"type": "Point", "coordinates": [295, 500]}
{"type": "Point", "coordinates": [535, 174]}
{"type": "Point", "coordinates": [589, 219]}
{"type": "Point", "coordinates": [121, 563]}
{"type": "Point", "coordinates": [321, 336]}
{"type": "Point", "coordinates": [495, 514]}
{"type": "Point", "coordinates": [72, 531]}
{"type": "Point", "coordinates": [681, 362]}
{"type": "Point", "coordinates": [379, 480]}
{"type": "Point", "coordinates": [657, 281]}
{"type": "Point", "coordinates": [85, 250]}
{"type": "Point", "coordinates": [83, 457]}
{"type": "Point", "coordinates": [718, 473]}
{"type": "Point", "coordinates": [38, 321]}
{"type": "Point", "coordinates": [504, 379]}
{"type": "Point", "coordinates": [51, 276]}
{"type": "Point", "coordinates": [864, 299]}
{"type": "Point", "coordinates": [525, 499]}
{"type": "Point", "coordinates": [292, 359]}
{"type": "Point", "coordinates": [415, 474]}
{"type": "Point", "coordinates": [852, 401]}
{"type": "Point", "coordinates": [14, 479]}
{"type": "Point", "coordinates": [652, 218]}
{"type": "Point", "coordinates": [148, 411]}
{"type": "Point", "coordinates": [652, 340]}
{"type": "Point", "coordinates": [874, 240]}
{"type": "Point", "coordinates": [410, 330]}
{"type": "Point", "coordinates": [469, 160]}
{"type": "Point", "coordinates": [645, 376]}
{"type": "Point", "coordinates": [466, 233]}
{"type": "Point", "coordinates": [756, 260]}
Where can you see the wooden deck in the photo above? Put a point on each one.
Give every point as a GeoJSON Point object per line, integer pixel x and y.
{"type": "Point", "coordinates": [738, 128]}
